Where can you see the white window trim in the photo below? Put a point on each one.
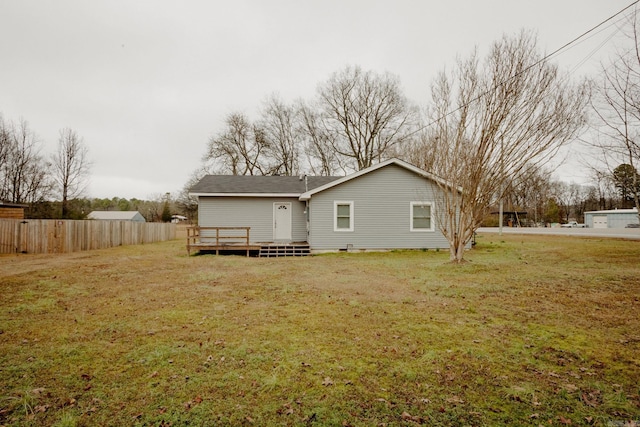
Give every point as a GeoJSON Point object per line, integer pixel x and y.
{"type": "Point", "coordinates": [421, 230]}
{"type": "Point", "coordinates": [335, 215]}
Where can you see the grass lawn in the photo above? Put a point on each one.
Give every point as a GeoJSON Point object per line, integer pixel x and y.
{"type": "Point", "coordinates": [532, 331]}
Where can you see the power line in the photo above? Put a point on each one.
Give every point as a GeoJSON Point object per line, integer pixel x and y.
{"type": "Point", "coordinates": [603, 43]}
{"type": "Point", "coordinates": [545, 58]}
{"type": "Point", "coordinates": [587, 32]}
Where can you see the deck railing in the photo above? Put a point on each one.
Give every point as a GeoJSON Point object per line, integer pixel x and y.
{"type": "Point", "coordinates": [217, 238]}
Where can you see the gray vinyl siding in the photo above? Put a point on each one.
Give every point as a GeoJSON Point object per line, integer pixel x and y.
{"type": "Point", "coordinates": [254, 212]}
{"type": "Point", "coordinates": [381, 209]}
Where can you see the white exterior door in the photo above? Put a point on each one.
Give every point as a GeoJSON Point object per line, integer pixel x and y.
{"type": "Point", "coordinates": [281, 221]}
{"type": "Point", "coordinates": [600, 221]}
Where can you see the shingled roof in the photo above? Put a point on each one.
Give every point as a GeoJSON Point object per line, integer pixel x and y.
{"type": "Point", "coordinates": [257, 185]}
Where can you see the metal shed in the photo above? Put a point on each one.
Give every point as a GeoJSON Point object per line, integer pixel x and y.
{"type": "Point", "coordinates": [616, 218]}
{"type": "Point", "coordinates": [12, 210]}
{"type": "Point", "coordinates": [134, 216]}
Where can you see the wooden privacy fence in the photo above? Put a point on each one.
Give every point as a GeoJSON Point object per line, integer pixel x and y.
{"type": "Point", "coordinates": [49, 236]}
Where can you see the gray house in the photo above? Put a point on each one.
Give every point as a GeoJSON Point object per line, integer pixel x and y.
{"type": "Point", "coordinates": [391, 205]}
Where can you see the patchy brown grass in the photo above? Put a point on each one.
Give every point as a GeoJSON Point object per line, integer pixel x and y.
{"type": "Point", "coordinates": [533, 330]}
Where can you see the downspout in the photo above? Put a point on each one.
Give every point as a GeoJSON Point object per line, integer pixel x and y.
{"type": "Point", "coordinates": [306, 211]}
{"type": "Point", "coordinates": [306, 205]}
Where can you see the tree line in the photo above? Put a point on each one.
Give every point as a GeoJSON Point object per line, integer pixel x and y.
{"type": "Point", "coordinates": [53, 186]}
{"type": "Point", "coordinates": [160, 209]}
{"type": "Point", "coordinates": [357, 119]}
{"type": "Point", "coordinates": [29, 177]}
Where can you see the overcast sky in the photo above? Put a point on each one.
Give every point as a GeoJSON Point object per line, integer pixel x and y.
{"type": "Point", "coordinates": [146, 83]}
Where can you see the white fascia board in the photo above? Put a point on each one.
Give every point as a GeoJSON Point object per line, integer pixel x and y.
{"type": "Point", "coordinates": [614, 211]}
{"type": "Point", "coordinates": [288, 195]}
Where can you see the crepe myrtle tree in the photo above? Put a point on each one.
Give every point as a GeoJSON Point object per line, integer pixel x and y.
{"type": "Point", "coordinates": [490, 122]}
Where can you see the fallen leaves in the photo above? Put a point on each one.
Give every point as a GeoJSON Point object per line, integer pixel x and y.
{"type": "Point", "coordinates": [565, 421]}
{"type": "Point", "coordinates": [455, 400]}
{"type": "Point", "coordinates": [38, 391]}
{"type": "Point", "coordinates": [591, 398]}
{"type": "Point", "coordinates": [285, 409]}
{"type": "Point", "coordinates": [193, 402]}
{"type": "Point", "coordinates": [414, 418]}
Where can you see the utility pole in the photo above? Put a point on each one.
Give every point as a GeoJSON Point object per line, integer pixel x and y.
{"type": "Point", "coordinates": [501, 186]}
{"type": "Point", "coordinates": [500, 219]}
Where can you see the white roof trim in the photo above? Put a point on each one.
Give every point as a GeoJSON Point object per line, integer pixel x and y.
{"type": "Point", "coordinates": [398, 162]}
{"type": "Point", "coordinates": [296, 195]}
{"type": "Point", "coordinates": [614, 211]}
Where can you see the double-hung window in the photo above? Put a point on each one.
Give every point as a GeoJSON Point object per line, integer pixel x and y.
{"type": "Point", "coordinates": [421, 216]}
{"type": "Point", "coordinates": [342, 216]}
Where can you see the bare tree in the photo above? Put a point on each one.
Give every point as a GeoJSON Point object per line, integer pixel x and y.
{"type": "Point", "coordinates": [187, 204]}
{"type": "Point", "coordinates": [529, 192]}
{"type": "Point", "coordinates": [239, 149]}
{"type": "Point", "coordinates": [71, 167]}
{"type": "Point", "coordinates": [567, 195]}
{"type": "Point", "coordinates": [5, 144]}
{"type": "Point", "coordinates": [490, 123]}
{"type": "Point", "coordinates": [24, 173]}
{"type": "Point", "coordinates": [602, 182]}
{"type": "Point", "coordinates": [282, 137]}
{"type": "Point", "coordinates": [616, 103]}
{"type": "Point", "coordinates": [364, 115]}
{"type": "Point", "coordinates": [321, 157]}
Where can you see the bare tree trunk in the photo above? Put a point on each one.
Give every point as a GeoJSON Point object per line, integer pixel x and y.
{"type": "Point", "coordinates": [71, 167]}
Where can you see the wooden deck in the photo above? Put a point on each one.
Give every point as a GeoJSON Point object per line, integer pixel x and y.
{"type": "Point", "coordinates": [233, 239]}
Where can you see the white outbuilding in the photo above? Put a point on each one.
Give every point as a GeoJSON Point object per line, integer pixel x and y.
{"type": "Point", "coordinates": [615, 218]}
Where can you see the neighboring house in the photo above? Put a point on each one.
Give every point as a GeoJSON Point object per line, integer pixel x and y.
{"type": "Point", "coordinates": [134, 216]}
{"type": "Point", "coordinates": [615, 218]}
{"type": "Point", "coordinates": [391, 205]}
{"type": "Point", "coordinates": [11, 210]}
{"type": "Point", "coordinates": [177, 219]}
